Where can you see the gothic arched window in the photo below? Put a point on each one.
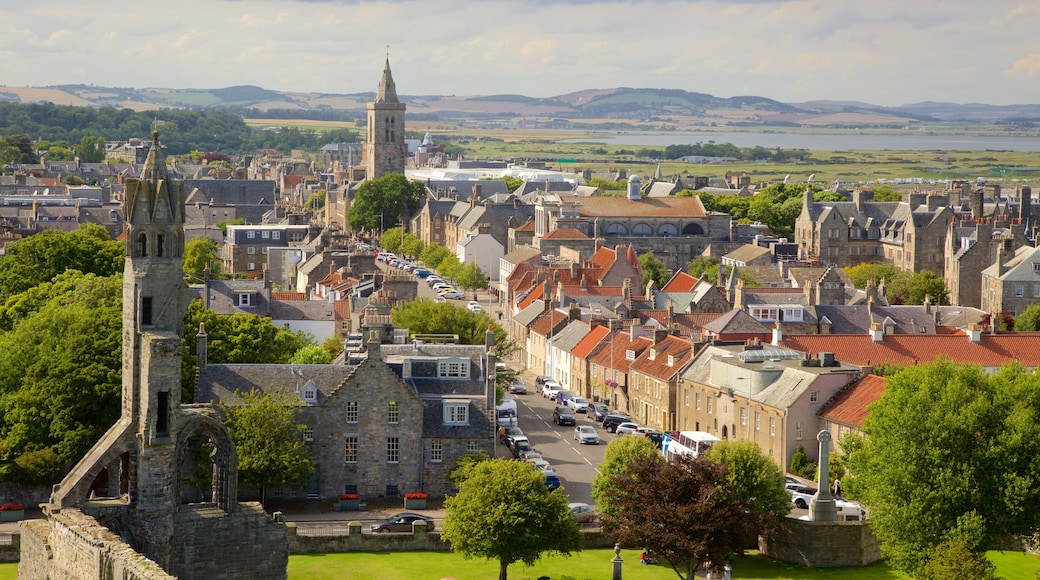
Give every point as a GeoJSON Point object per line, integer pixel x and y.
{"type": "Point", "coordinates": [142, 244]}
{"type": "Point", "coordinates": [160, 242]}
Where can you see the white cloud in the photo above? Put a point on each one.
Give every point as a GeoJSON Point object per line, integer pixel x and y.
{"type": "Point", "coordinates": [884, 51]}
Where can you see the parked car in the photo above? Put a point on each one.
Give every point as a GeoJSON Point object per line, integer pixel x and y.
{"type": "Point", "coordinates": [506, 418]}
{"type": "Point", "coordinates": [563, 416]}
{"type": "Point", "coordinates": [433, 279]}
{"type": "Point", "coordinates": [539, 464]}
{"type": "Point", "coordinates": [801, 495]}
{"type": "Point", "coordinates": [540, 380]}
{"type": "Point", "coordinates": [401, 522]}
{"type": "Point", "coordinates": [452, 294]}
{"type": "Point", "coordinates": [474, 306]}
{"type": "Point", "coordinates": [563, 396]}
{"type": "Point", "coordinates": [552, 481]}
{"type": "Point", "coordinates": [521, 447]}
{"type": "Point", "coordinates": [646, 432]}
{"type": "Point", "coordinates": [514, 440]}
{"type": "Point", "coordinates": [583, 512]}
{"type": "Point", "coordinates": [517, 387]}
{"type": "Point", "coordinates": [612, 420]}
{"type": "Point", "coordinates": [421, 273]}
{"type": "Point", "coordinates": [598, 412]}
{"type": "Point", "coordinates": [586, 434]}
{"type": "Point", "coordinates": [512, 434]}
{"type": "Point", "coordinates": [626, 428]}
{"type": "Point", "coordinates": [532, 456]}
{"type": "Point", "coordinates": [437, 287]}
{"type": "Point", "coordinates": [526, 453]}
{"type": "Point", "coordinates": [550, 389]}
{"type": "Point", "coordinates": [579, 404]}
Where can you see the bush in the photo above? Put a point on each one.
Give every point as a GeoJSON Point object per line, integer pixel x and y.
{"type": "Point", "coordinates": [801, 465]}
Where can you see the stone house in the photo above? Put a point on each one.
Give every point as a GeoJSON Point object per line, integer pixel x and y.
{"type": "Point", "coordinates": [1012, 283]}
{"type": "Point", "coordinates": [844, 413]}
{"type": "Point", "coordinates": [245, 247]}
{"type": "Point", "coordinates": [609, 366]}
{"type": "Point", "coordinates": [769, 395]}
{"type": "Point", "coordinates": [654, 376]}
{"type": "Point", "coordinates": [392, 424]}
{"type": "Point", "coordinates": [971, 248]}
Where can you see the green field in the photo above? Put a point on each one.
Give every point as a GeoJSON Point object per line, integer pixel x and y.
{"type": "Point", "coordinates": [590, 564]}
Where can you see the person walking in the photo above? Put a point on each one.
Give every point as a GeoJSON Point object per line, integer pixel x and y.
{"type": "Point", "coordinates": [837, 487]}
{"type": "Point", "coordinates": [727, 572]}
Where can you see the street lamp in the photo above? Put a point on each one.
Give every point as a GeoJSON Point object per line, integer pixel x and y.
{"type": "Point", "coordinates": [380, 225]}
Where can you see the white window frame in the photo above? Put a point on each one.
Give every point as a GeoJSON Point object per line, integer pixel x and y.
{"type": "Point", "coordinates": [352, 412]}
{"type": "Point", "coordinates": [436, 451]}
{"type": "Point", "coordinates": [308, 433]}
{"type": "Point", "coordinates": [772, 426]}
{"type": "Point", "coordinates": [814, 396]}
{"type": "Point", "coordinates": [276, 235]}
{"type": "Point", "coordinates": [456, 413]}
{"type": "Point", "coordinates": [393, 412]}
{"type": "Point", "coordinates": [251, 250]}
{"type": "Point", "coordinates": [472, 445]}
{"type": "Point", "coordinates": [244, 300]}
{"type": "Point", "coordinates": [350, 449]}
{"type": "Point", "coordinates": [265, 234]}
{"type": "Point", "coordinates": [310, 392]}
{"type": "Point", "coordinates": [453, 369]}
{"type": "Point", "coordinates": [393, 449]}
{"type": "Point", "coordinates": [251, 234]}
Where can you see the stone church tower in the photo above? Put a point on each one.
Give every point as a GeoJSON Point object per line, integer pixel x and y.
{"type": "Point", "coordinates": [130, 482]}
{"type": "Point", "coordinates": [385, 150]}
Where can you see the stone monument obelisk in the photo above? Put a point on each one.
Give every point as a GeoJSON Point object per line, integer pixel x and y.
{"type": "Point", "coordinates": [821, 506]}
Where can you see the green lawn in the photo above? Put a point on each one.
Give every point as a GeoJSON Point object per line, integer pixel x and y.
{"type": "Point", "coordinates": [590, 564]}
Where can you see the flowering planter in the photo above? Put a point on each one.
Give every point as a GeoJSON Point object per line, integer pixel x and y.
{"type": "Point", "coordinates": [415, 504]}
{"type": "Point", "coordinates": [12, 515]}
{"type": "Point", "coordinates": [349, 505]}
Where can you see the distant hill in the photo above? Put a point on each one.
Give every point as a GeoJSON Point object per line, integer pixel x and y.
{"type": "Point", "coordinates": [632, 104]}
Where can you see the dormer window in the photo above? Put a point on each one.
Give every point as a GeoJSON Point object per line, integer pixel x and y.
{"type": "Point", "coordinates": [653, 354]}
{"type": "Point", "coordinates": [310, 392]}
{"type": "Point", "coordinates": [630, 354]}
{"type": "Point", "coordinates": [453, 369]}
{"type": "Point", "coordinates": [671, 360]}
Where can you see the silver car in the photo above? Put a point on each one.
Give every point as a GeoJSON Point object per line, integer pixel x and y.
{"type": "Point", "coordinates": [586, 435]}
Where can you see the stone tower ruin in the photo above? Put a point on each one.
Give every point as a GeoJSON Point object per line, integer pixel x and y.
{"type": "Point", "coordinates": [123, 499]}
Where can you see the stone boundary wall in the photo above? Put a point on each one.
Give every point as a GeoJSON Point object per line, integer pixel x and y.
{"type": "Point", "coordinates": [822, 544]}
{"type": "Point", "coordinates": [73, 545]}
{"type": "Point", "coordinates": [418, 540]}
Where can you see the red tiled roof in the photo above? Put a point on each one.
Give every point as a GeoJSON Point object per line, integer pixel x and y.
{"type": "Point", "coordinates": [535, 294]}
{"type": "Point", "coordinates": [613, 354]}
{"type": "Point", "coordinates": [542, 324]}
{"type": "Point", "coordinates": [680, 282]}
{"type": "Point", "coordinates": [604, 258]}
{"type": "Point", "coordinates": [592, 290]}
{"type": "Point", "coordinates": [292, 181]}
{"type": "Point", "coordinates": [659, 368]}
{"type": "Point", "coordinates": [849, 407]}
{"type": "Point", "coordinates": [527, 226]}
{"type": "Point", "coordinates": [673, 207]}
{"type": "Point", "coordinates": [342, 308]}
{"type": "Point", "coordinates": [593, 338]}
{"type": "Point", "coordinates": [993, 350]}
{"type": "Point", "coordinates": [565, 234]}
{"type": "Point", "coordinates": [288, 296]}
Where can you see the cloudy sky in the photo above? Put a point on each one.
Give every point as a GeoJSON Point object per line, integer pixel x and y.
{"type": "Point", "coordinates": [886, 52]}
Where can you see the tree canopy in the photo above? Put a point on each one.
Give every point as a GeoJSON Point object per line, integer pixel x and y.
{"type": "Point", "coordinates": [60, 374]}
{"type": "Point", "coordinates": [268, 440]}
{"type": "Point", "coordinates": [900, 287]}
{"type": "Point", "coordinates": [683, 511]}
{"type": "Point", "coordinates": [390, 196]}
{"type": "Point", "coordinates": [40, 257]}
{"type": "Point", "coordinates": [1029, 319]}
{"type": "Point", "coordinates": [617, 459]}
{"type": "Point", "coordinates": [755, 478]}
{"type": "Point", "coordinates": [653, 269]}
{"type": "Point", "coordinates": [199, 252]}
{"type": "Point", "coordinates": [504, 511]}
{"type": "Point", "coordinates": [426, 317]}
{"type": "Point", "coordinates": [959, 446]}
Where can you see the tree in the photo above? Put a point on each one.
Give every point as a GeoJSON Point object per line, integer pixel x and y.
{"type": "Point", "coordinates": [311, 354]}
{"type": "Point", "coordinates": [268, 440]}
{"type": "Point", "coordinates": [412, 245]}
{"type": "Point", "coordinates": [886, 193]}
{"type": "Point", "coordinates": [860, 274]}
{"type": "Point", "coordinates": [701, 265]}
{"type": "Point", "coordinates": [450, 267]}
{"type": "Point", "coordinates": [391, 239]}
{"type": "Point", "coordinates": [755, 479]}
{"type": "Point", "coordinates": [390, 196]}
{"type": "Point", "coordinates": [223, 224]}
{"type": "Point", "coordinates": [463, 467]}
{"type": "Point", "coordinates": [471, 277]}
{"type": "Point", "coordinates": [316, 200]}
{"type": "Point", "coordinates": [503, 511]}
{"type": "Point", "coordinates": [801, 465]}
{"type": "Point", "coordinates": [426, 317]}
{"type": "Point", "coordinates": [617, 459]}
{"type": "Point", "coordinates": [821, 196]}
{"type": "Point", "coordinates": [91, 149]}
{"type": "Point", "coordinates": [653, 269]}
{"type": "Point", "coordinates": [40, 257]}
{"type": "Point", "coordinates": [919, 285]}
{"type": "Point", "coordinates": [954, 441]}
{"type": "Point", "coordinates": [681, 510]}
{"type": "Point", "coordinates": [60, 373]}
{"type": "Point", "coordinates": [433, 254]}
{"type": "Point", "coordinates": [200, 252]}
{"type": "Point", "coordinates": [333, 346]}
{"type": "Point", "coordinates": [1029, 320]}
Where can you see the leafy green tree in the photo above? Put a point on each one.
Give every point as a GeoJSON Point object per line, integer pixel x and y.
{"type": "Point", "coordinates": [223, 224]}
{"type": "Point", "coordinates": [682, 511]}
{"type": "Point", "coordinates": [471, 277]}
{"type": "Point", "coordinates": [801, 465]}
{"type": "Point", "coordinates": [391, 239]}
{"type": "Point", "coordinates": [316, 200]}
{"type": "Point", "coordinates": [268, 440]}
{"type": "Point", "coordinates": [199, 252]}
{"type": "Point", "coordinates": [955, 441]}
{"type": "Point", "coordinates": [91, 149]}
{"type": "Point", "coordinates": [389, 196]}
{"type": "Point", "coordinates": [433, 254]}
{"type": "Point", "coordinates": [1029, 320]}
{"type": "Point", "coordinates": [463, 467]}
{"type": "Point", "coordinates": [703, 264]}
{"type": "Point", "coordinates": [40, 257]}
{"type": "Point", "coordinates": [333, 346]}
{"type": "Point", "coordinates": [450, 267]}
{"type": "Point", "coordinates": [412, 245]}
{"type": "Point", "coordinates": [618, 458]}
{"type": "Point", "coordinates": [653, 269]}
{"type": "Point", "coordinates": [886, 193]}
{"type": "Point", "coordinates": [754, 478]}
{"type": "Point", "coordinates": [503, 511]}
{"type": "Point", "coordinates": [426, 317]}
{"type": "Point", "coordinates": [311, 354]}
{"type": "Point", "coordinates": [60, 373]}
{"type": "Point", "coordinates": [239, 338]}
{"type": "Point", "coordinates": [829, 196]}
{"type": "Point", "coordinates": [861, 273]}
{"type": "Point", "coordinates": [919, 285]}
{"type": "Point", "coordinates": [959, 556]}
{"type": "Point", "coordinates": [19, 149]}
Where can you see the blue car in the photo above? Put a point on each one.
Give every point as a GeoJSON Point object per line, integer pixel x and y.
{"type": "Point", "coordinates": [552, 481]}
{"type": "Point", "coordinates": [421, 273]}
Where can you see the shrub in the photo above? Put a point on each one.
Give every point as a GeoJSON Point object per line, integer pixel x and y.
{"type": "Point", "coordinates": [415, 495]}
{"type": "Point", "coordinates": [10, 507]}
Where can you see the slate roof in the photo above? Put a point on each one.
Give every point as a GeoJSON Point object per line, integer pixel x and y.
{"type": "Point", "coordinates": [220, 382]}
{"type": "Point", "coordinates": [1019, 268]}
{"type": "Point", "coordinates": [736, 321]}
{"type": "Point", "coordinates": [849, 406]}
{"type": "Point", "coordinates": [747, 253]}
{"type": "Point", "coordinates": [571, 335]}
{"type": "Point", "coordinates": [907, 319]}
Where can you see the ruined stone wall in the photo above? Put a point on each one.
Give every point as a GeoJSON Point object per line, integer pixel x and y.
{"type": "Point", "coordinates": [822, 544]}
{"type": "Point", "coordinates": [71, 544]}
{"type": "Point", "coordinates": [213, 545]}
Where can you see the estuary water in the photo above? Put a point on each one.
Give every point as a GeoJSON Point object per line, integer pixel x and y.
{"type": "Point", "coordinates": [820, 141]}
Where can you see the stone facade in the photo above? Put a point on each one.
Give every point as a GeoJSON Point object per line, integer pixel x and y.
{"type": "Point", "coordinates": [822, 544]}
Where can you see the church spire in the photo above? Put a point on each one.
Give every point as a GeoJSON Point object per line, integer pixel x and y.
{"type": "Point", "coordinates": [155, 164]}
{"type": "Point", "coordinates": [387, 91]}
